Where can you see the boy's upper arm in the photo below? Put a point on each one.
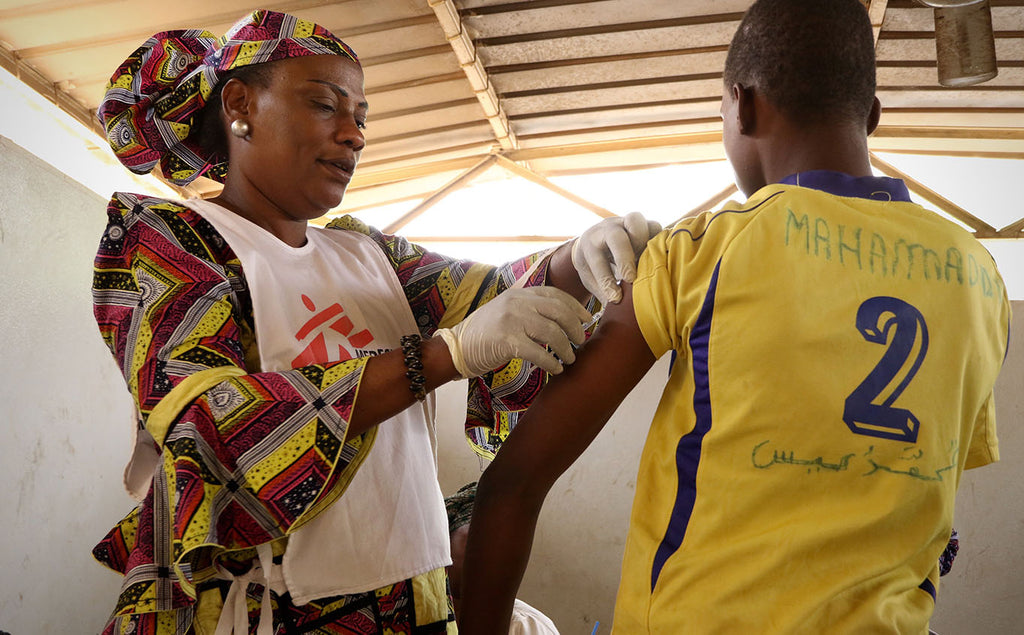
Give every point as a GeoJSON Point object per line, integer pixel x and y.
{"type": "Point", "coordinates": [575, 405]}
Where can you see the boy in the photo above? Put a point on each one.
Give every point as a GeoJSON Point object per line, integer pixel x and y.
{"type": "Point", "coordinates": [836, 347]}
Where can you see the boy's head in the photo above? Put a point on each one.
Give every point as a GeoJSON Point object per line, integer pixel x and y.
{"type": "Point", "coordinates": [813, 60]}
{"type": "Point", "coordinates": [799, 91]}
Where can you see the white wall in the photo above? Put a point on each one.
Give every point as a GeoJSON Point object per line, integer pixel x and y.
{"type": "Point", "coordinates": [66, 417]}
{"type": "Point", "coordinates": [64, 412]}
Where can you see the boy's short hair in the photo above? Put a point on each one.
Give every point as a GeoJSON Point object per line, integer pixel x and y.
{"type": "Point", "coordinates": [814, 60]}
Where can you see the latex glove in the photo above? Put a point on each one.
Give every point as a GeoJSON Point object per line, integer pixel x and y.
{"type": "Point", "coordinates": [518, 323]}
{"type": "Point", "coordinates": [608, 252]}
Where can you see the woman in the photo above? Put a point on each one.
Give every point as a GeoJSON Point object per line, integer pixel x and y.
{"type": "Point", "coordinates": [285, 461]}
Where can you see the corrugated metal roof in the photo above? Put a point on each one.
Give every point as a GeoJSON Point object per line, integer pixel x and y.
{"type": "Point", "coordinates": [554, 86]}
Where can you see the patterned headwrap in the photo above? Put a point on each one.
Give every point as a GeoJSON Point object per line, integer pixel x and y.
{"type": "Point", "coordinates": [460, 506]}
{"type": "Point", "coordinates": [150, 107]}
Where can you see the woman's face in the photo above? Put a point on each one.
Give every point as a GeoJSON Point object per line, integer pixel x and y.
{"type": "Point", "coordinates": [306, 134]}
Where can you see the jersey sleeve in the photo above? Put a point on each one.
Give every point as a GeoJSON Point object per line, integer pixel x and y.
{"type": "Point", "coordinates": [984, 448]}
{"type": "Point", "coordinates": [675, 273]}
{"type": "Point", "coordinates": [246, 457]}
{"type": "Point", "coordinates": [984, 444]}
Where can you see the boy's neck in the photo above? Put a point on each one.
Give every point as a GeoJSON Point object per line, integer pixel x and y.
{"type": "Point", "coordinates": [802, 149]}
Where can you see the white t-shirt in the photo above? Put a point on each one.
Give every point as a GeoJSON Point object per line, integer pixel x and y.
{"type": "Point", "coordinates": [336, 298]}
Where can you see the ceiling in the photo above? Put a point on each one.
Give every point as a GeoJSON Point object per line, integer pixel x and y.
{"type": "Point", "coordinates": [542, 88]}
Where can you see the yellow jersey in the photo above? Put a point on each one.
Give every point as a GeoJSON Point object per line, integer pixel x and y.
{"type": "Point", "coordinates": [836, 347]}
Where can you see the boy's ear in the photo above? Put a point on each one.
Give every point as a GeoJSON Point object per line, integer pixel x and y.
{"type": "Point", "coordinates": [874, 115]}
{"type": "Point", "coordinates": [746, 111]}
{"type": "Point", "coordinates": [234, 98]}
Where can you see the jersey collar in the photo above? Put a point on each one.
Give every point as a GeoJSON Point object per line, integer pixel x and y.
{"type": "Point", "coordinates": [877, 188]}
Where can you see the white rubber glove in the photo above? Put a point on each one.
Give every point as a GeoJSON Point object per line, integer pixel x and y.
{"type": "Point", "coordinates": [608, 252]}
{"type": "Point", "coordinates": [518, 323]}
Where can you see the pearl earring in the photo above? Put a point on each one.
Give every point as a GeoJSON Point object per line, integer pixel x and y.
{"type": "Point", "coordinates": [240, 128]}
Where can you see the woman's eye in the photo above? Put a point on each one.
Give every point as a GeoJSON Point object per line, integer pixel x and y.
{"type": "Point", "coordinates": [324, 107]}
{"type": "Point", "coordinates": [361, 124]}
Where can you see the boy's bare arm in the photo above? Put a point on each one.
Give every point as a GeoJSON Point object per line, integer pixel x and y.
{"type": "Point", "coordinates": [560, 425]}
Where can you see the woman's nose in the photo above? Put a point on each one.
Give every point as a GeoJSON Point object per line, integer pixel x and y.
{"type": "Point", "coordinates": [349, 133]}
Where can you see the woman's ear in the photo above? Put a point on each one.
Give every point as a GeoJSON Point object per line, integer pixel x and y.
{"type": "Point", "coordinates": [235, 99]}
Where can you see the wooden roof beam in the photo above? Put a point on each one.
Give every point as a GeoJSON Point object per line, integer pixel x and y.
{"type": "Point", "coordinates": [980, 227]}
{"type": "Point", "coordinates": [448, 15]}
{"type": "Point", "coordinates": [712, 202]}
{"type": "Point", "coordinates": [618, 27]}
{"type": "Point", "coordinates": [542, 181]}
{"type": "Point", "coordinates": [1013, 230]}
{"type": "Point", "coordinates": [876, 12]}
{"type": "Point", "coordinates": [140, 35]}
{"type": "Point", "coordinates": [365, 178]}
{"type": "Point", "coordinates": [457, 183]}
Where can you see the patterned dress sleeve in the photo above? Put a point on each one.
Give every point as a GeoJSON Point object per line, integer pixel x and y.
{"type": "Point", "coordinates": [441, 292]}
{"type": "Point", "coordinates": [247, 456]}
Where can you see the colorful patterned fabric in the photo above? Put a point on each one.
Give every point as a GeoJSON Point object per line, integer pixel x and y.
{"type": "Point", "coordinates": [492, 414]}
{"type": "Point", "coordinates": [152, 100]}
{"type": "Point", "coordinates": [460, 506]}
{"type": "Point", "coordinates": [248, 456]}
{"type": "Point", "coordinates": [391, 609]}
{"type": "Point", "coordinates": [949, 553]}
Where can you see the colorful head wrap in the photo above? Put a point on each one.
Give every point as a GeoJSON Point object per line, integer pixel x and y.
{"type": "Point", "coordinates": [460, 506]}
{"type": "Point", "coordinates": [150, 107]}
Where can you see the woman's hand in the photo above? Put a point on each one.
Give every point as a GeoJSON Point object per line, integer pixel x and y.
{"type": "Point", "coordinates": [608, 252]}
{"type": "Point", "coordinates": [518, 323]}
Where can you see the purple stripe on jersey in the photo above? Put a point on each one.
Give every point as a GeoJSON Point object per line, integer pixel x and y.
{"type": "Point", "coordinates": [688, 450]}
{"type": "Point", "coordinates": [877, 188]}
{"type": "Point", "coordinates": [928, 588]}
{"type": "Point", "coordinates": [721, 214]}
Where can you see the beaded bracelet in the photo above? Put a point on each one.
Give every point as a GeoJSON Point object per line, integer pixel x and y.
{"type": "Point", "coordinates": [414, 365]}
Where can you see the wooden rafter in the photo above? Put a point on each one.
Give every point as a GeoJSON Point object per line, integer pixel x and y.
{"type": "Point", "coordinates": [712, 202]}
{"type": "Point", "coordinates": [660, 141]}
{"type": "Point", "coordinates": [621, 27]}
{"type": "Point", "coordinates": [533, 177]}
{"type": "Point", "coordinates": [448, 15]}
{"type": "Point", "coordinates": [457, 183]}
{"type": "Point", "coordinates": [980, 227]}
{"type": "Point", "coordinates": [603, 59]}
{"type": "Point", "coordinates": [140, 35]}
{"type": "Point", "coordinates": [371, 178]}
{"type": "Point", "coordinates": [876, 12]}
{"type": "Point", "coordinates": [950, 132]}
{"type": "Point", "coordinates": [1013, 230]}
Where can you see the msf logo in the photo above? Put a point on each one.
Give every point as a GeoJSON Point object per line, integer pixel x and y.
{"type": "Point", "coordinates": [319, 328]}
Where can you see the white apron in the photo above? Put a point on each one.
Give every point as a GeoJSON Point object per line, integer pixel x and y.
{"type": "Point", "coordinates": [335, 298]}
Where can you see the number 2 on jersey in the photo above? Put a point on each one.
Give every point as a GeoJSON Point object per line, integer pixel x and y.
{"type": "Point", "coordinates": [880, 320]}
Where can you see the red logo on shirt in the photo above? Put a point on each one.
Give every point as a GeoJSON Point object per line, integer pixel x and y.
{"type": "Point", "coordinates": [332, 318]}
